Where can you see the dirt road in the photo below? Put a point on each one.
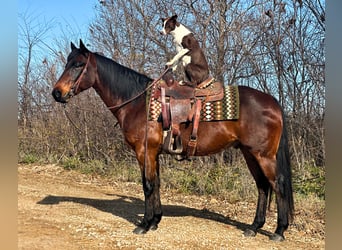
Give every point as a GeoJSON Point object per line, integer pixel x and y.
{"type": "Point", "coordinates": [60, 209]}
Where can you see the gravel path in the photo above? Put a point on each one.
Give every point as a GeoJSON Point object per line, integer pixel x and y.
{"type": "Point", "coordinates": [60, 209]}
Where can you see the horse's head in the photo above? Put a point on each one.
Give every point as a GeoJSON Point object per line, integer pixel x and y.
{"type": "Point", "coordinates": [79, 74]}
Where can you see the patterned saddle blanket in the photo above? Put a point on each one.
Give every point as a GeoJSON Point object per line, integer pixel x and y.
{"type": "Point", "coordinates": [226, 108]}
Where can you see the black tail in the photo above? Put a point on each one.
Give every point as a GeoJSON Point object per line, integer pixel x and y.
{"type": "Point", "coordinates": [284, 179]}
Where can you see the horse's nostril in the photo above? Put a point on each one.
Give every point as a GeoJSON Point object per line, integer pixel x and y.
{"type": "Point", "coordinates": [57, 95]}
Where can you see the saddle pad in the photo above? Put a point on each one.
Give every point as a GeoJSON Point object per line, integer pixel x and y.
{"type": "Point", "coordinates": [226, 109]}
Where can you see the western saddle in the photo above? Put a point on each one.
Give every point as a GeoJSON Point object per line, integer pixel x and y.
{"type": "Point", "coordinates": [183, 104]}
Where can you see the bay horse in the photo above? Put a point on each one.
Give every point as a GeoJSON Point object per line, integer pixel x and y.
{"type": "Point", "coordinates": [259, 133]}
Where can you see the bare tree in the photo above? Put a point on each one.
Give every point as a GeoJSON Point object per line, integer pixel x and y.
{"type": "Point", "coordinates": [30, 37]}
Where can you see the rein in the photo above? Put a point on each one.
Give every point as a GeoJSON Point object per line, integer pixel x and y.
{"type": "Point", "coordinates": [71, 121]}
{"type": "Point", "coordinates": [141, 93]}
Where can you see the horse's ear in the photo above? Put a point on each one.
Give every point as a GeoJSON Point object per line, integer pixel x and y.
{"type": "Point", "coordinates": [73, 46]}
{"type": "Point", "coordinates": [174, 17]}
{"type": "Point", "coordinates": [83, 47]}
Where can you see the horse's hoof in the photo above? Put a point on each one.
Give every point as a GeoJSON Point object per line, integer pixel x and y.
{"type": "Point", "coordinates": [154, 227]}
{"type": "Point", "coordinates": [139, 230]}
{"type": "Point", "coordinates": [277, 237]}
{"type": "Point", "coordinates": [249, 233]}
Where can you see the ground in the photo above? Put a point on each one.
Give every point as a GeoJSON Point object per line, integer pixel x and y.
{"type": "Point", "coordinates": [59, 209]}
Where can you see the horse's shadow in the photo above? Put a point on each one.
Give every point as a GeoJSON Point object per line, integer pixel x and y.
{"type": "Point", "coordinates": [129, 208]}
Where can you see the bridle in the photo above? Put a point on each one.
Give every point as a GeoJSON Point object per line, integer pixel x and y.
{"type": "Point", "coordinates": [73, 90]}
{"type": "Point", "coordinates": [76, 84]}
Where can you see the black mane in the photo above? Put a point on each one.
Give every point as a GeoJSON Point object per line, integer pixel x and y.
{"type": "Point", "coordinates": [123, 82]}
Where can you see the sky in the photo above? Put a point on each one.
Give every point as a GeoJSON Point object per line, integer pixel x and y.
{"type": "Point", "coordinates": [71, 17]}
{"type": "Point", "coordinates": [78, 13]}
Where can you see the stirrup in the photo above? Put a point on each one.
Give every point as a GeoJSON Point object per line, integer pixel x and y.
{"type": "Point", "coordinates": [172, 145]}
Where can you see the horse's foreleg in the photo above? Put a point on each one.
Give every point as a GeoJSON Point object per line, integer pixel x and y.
{"type": "Point", "coordinates": [153, 212]}
{"type": "Point", "coordinates": [151, 187]}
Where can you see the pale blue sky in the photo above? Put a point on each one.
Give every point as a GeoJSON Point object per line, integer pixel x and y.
{"type": "Point", "coordinates": [68, 21]}
{"type": "Point", "coordinates": [77, 13]}
{"type": "Point", "coordinates": [71, 17]}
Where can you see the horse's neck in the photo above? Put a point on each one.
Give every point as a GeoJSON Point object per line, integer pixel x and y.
{"type": "Point", "coordinates": [113, 103]}
{"type": "Point", "coordinates": [114, 100]}
{"type": "Point", "coordinates": [106, 95]}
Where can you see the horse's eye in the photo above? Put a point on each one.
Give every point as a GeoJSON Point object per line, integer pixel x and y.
{"type": "Point", "coordinates": [79, 64]}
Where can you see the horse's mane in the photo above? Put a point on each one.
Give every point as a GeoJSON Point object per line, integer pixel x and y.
{"type": "Point", "coordinates": [123, 82]}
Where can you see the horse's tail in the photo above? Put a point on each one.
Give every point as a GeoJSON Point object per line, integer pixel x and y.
{"type": "Point", "coordinates": [283, 174]}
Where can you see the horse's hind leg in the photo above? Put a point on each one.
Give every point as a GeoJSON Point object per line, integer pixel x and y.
{"type": "Point", "coordinates": [278, 183]}
{"type": "Point", "coordinates": [263, 191]}
{"type": "Point", "coordinates": [265, 174]}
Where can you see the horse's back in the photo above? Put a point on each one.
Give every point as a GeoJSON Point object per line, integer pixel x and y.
{"type": "Point", "coordinates": [257, 105]}
{"type": "Point", "coordinates": [251, 96]}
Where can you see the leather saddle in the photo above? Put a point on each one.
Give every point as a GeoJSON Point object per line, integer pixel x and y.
{"type": "Point", "coordinates": [183, 104]}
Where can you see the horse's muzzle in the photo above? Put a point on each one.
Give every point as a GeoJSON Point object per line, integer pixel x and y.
{"type": "Point", "coordinates": [58, 96]}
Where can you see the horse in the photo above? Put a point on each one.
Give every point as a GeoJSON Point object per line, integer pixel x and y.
{"type": "Point", "coordinates": [259, 133]}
